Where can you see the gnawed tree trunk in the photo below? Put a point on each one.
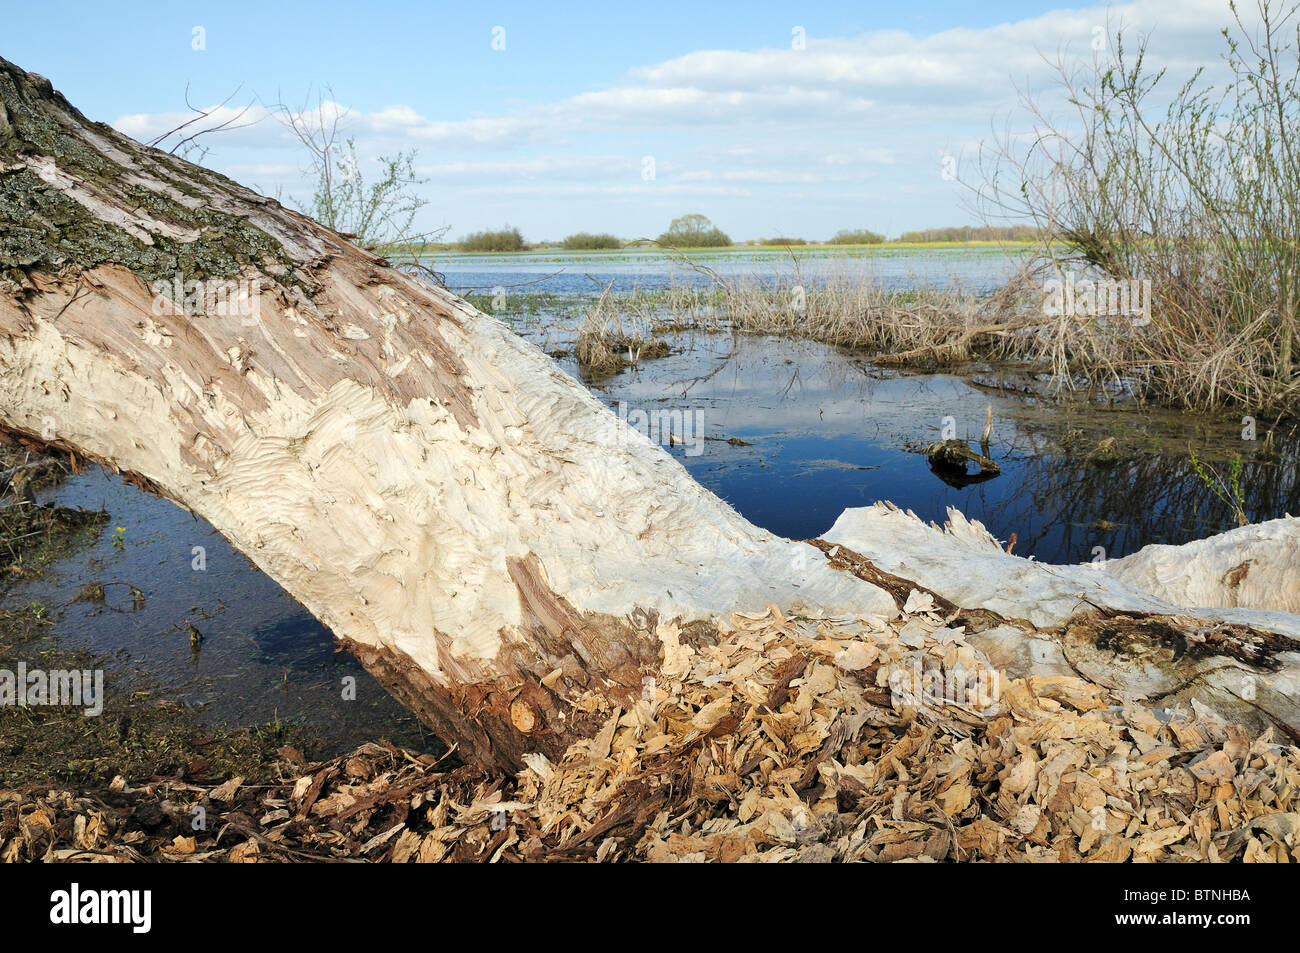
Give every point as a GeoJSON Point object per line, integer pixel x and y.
{"type": "Point", "coordinates": [1168, 624]}
{"type": "Point", "coordinates": [491, 542]}
{"type": "Point", "coordinates": [468, 520]}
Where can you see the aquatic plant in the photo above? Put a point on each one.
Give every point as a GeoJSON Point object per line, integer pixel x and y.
{"type": "Point", "coordinates": [1229, 491]}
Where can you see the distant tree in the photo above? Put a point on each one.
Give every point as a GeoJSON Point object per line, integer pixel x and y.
{"type": "Point", "coordinates": [783, 241]}
{"type": "Point", "coordinates": [860, 236]}
{"type": "Point", "coordinates": [694, 231]}
{"type": "Point", "coordinates": [502, 239]}
{"type": "Point", "coordinates": [586, 240]}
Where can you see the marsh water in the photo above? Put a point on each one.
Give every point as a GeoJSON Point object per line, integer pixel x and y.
{"type": "Point", "coordinates": [790, 433]}
{"type": "Point", "coordinates": [976, 268]}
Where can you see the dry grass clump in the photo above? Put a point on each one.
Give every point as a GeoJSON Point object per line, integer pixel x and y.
{"type": "Point", "coordinates": [925, 326]}
{"type": "Point", "coordinates": [1174, 358]}
{"type": "Point", "coordinates": [1192, 188]}
{"type": "Point", "coordinates": [594, 349]}
{"type": "Point", "coordinates": [604, 345]}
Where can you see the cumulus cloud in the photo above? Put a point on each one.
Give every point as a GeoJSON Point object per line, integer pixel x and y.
{"type": "Point", "coordinates": [879, 109]}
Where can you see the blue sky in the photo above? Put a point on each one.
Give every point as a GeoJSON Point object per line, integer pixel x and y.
{"type": "Point", "coordinates": [552, 132]}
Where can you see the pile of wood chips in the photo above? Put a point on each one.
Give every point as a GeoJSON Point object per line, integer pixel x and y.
{"type": "Point", "coordinates": [791, 739]}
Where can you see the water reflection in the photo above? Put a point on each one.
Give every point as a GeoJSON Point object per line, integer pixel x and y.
{"type": "Point", "coordinates": [825, 431]}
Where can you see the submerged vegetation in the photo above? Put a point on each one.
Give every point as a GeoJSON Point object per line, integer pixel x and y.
{"type": "Point", "coordinates": [31, 535]}
{"type": "Point", "coordinates": [142, 732]}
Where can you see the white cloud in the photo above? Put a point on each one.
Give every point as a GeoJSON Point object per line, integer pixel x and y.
{"type": "Point", "coordinates": [856, 118]}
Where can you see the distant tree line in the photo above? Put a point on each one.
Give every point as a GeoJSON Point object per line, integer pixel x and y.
{"type": "Point", "coordinates": [697, 231]}
{"type": "Point", "coordinates": [974, 233]}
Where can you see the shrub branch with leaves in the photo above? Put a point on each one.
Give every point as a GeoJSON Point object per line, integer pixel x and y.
{"type": "Point", "coordinates": [377, 213]}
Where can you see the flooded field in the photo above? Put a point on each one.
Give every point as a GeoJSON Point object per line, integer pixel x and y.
{"type": "Point", "coordinates": [976, 268]}
{"type": "Point", "coordinates": [790, 433]}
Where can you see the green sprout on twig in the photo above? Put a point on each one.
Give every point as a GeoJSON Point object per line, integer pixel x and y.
{"type": "Point", "coordinates": [1230, 491]}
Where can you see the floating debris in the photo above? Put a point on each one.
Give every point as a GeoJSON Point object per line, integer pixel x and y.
{"type": "Point", "coordinates": [954, 454]}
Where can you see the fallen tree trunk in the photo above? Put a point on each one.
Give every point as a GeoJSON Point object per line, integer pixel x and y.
{"type": "Point", "coordinates": [499, 549]}
{"type": "Point", "coordinates": [1166, 624]}
{"type": "Point", "coordinates": [471, 522]}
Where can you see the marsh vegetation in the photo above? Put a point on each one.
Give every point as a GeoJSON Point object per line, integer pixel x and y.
{"type": "Point", "coordinates": [1193, 189]}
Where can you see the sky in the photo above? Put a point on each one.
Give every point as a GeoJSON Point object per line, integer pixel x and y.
{"type": "Point", "coordinates": [790, 119]}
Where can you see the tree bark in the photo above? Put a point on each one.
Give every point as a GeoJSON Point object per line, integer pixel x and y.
{"type": "Point", "coordinates": [499, 549]}
{"type": "Point", "coordinates": [472, 523]}
{"type": "Point", "coordinates": [1211, 621]}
